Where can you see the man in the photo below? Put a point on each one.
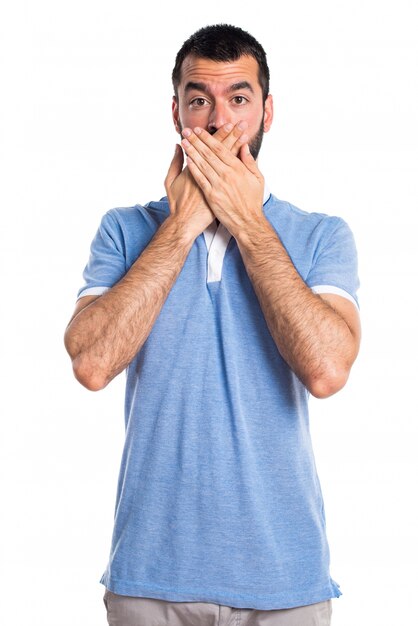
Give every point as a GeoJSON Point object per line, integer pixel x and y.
{"type": "Point", "coordinates": [228, 307]}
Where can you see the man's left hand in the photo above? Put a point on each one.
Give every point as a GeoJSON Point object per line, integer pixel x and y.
{"type": "Point", "coordinates": [233, 186]}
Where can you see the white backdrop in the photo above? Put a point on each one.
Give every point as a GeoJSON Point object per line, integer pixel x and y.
{"type": "Point", "coordinates": [85, 126]}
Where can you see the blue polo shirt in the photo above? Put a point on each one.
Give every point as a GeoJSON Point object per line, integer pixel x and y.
{"type": "Point", "coordinates": [218, 498]}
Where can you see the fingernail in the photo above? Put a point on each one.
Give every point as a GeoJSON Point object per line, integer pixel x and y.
{"type": "Point", "coordinates": [228, 127]}
{"type": "Point", "coordinates": [186, 132]}
{"type": "Point", "coordinates": [242, 125]}
{"type": "Point", "coordinates": [185, 143]}
{"type": "Point", "coordinates": [197, 130]}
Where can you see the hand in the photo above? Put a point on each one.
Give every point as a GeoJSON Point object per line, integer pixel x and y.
{"type": "Point", "coordinates": [186, 199]}
{"type": "Point", "coordinates": [233, 187]}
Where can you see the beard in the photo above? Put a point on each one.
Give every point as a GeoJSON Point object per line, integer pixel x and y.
{"type": "Point", "coordinates": [255, 142]}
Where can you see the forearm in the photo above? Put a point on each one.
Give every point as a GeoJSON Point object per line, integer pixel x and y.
{"type": "Point", "coordinates": [314, 340]}
{"type": "Point", "coordinates": [105, 336]}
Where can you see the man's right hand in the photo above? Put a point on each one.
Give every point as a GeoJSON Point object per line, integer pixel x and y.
{"type": "Point", "coordinates": [187, 203]}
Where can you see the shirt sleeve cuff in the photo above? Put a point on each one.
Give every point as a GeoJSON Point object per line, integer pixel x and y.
{"type": "Point", "coordinates": [337, 291]}
{"type": "Point", "coordinates": [92, 291]}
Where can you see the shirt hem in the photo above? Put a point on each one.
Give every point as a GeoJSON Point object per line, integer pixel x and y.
{"type": "Point", "coordinates": [236, 600]}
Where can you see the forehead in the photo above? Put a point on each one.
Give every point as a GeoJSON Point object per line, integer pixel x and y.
{"type": "Point", "coordinates": [220, 73]}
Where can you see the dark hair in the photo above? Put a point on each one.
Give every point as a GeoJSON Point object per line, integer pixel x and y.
{"type": "Point", "coordinates": [222, 42]}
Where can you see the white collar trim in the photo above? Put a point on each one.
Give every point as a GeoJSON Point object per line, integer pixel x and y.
{"type": "Point", "coordinates": [217, 238]}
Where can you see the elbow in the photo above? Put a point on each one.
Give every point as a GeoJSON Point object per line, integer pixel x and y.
{"type": "Point", "coordinates": [85, 371]}
{"type": "Point", "coordinates": [329, 383]}
{"type": "Point", "coordinates": [92, 382]}
{"type": "Point", "coordinates": [87, 374]}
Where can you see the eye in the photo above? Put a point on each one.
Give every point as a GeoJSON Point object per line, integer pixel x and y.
{"type": "Point", "coordinates": [239, 100]}
{"type": "Point", "coordinates": [198, 102]}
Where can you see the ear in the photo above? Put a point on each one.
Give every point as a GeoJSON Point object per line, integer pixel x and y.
{"type": "Point", "coordinates": [268, 113]}
{"type": "Point", "coordinates": [175, 113]}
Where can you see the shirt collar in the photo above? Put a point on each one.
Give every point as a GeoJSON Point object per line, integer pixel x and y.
{"type": "Point", "coordinates": [266, 193]}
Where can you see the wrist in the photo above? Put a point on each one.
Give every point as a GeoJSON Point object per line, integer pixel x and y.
{"type": "Point", "coordinates": [180, 229]}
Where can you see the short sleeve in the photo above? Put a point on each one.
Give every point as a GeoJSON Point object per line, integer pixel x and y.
{"type": "Point", "coordinates": [107, 262]}
{"type": "Point", "coordinates": [335, 264]}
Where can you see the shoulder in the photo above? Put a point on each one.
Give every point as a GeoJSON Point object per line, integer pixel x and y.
{"type": "Point", "coordinates": [152, 213]}
{"type": "Point", "coordinates": [300, 226]}
{"type": "Point", "coordinates": [286, 210]}
{"type": "Point", "coordinates": [132, 222]}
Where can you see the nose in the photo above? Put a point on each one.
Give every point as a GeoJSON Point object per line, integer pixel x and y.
{"type": "Point", "coordinates": [218, 117]}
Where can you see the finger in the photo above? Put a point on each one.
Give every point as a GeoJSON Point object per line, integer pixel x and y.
{"type": "Point", "coordinates": [198, 176]}
{"type": "Point", "coordinates": [236, 138]}
{"type": "Point", "coordinates": [241, 141]}
{"type": "Point", "coordinates": [209, 147]}
{"type": "Point", "coordinates": [175, 168]}
{"type": "Point", "coordinates": [230, 134]}
{"type": "Point", "coordinates": [223, 132]}
{"type": "Point", "coordinates": [207, 162]}
{"type": "Point", "coordinates": [249, 161]}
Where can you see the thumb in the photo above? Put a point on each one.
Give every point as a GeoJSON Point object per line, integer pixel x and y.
{"type": "Point", "coordinates": [248, 159]}
{"type": "Point", "coordinates": [175, 168]}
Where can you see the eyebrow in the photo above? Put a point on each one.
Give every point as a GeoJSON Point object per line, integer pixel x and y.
{"type": "Point", "coordinates": [191, 85]}
{"type": "Point", "coordinates": [242, 85]}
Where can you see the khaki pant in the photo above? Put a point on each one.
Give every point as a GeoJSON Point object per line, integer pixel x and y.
{"type": "Point", "coordinates": [133, 611]}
